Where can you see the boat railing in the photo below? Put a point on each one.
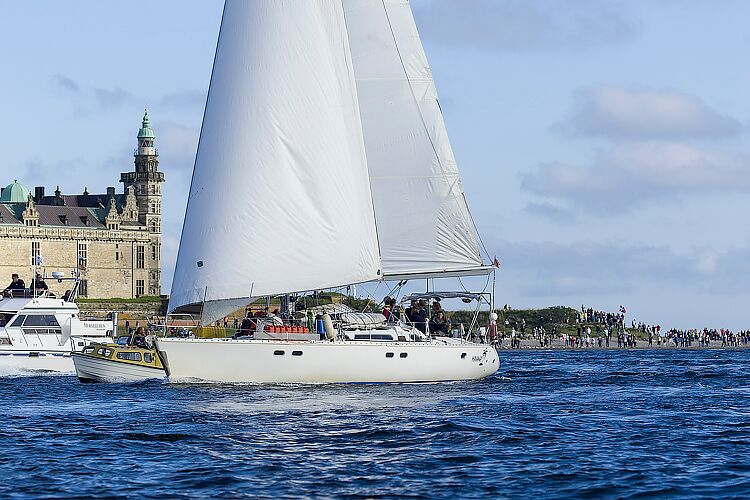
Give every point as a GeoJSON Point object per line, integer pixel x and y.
{"type": "Point", "coordinates": [25, 293]}
{"type": "Point", "coordinates": [42, 331]}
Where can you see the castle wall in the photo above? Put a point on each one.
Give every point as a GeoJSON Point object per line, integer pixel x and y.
{"type": "Point", "coordinates": [111, 268]}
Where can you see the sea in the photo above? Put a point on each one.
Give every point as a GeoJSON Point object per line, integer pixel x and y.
{"type": "Point", "coordinates": [550, 424]}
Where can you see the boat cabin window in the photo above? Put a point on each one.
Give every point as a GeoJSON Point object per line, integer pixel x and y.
{"type": "Point", "coordinates": [41, 320]}
{"type": "Point", "coordinates": [130, 356]}
{"type": "Point", "coordinates": [373, 336]}
{"type": "Point", "coordinates": [104, 352]}
{"type": "Point", "coordinates": [147, 357]}
{"type": "Point", "coordinates": [18, 321]}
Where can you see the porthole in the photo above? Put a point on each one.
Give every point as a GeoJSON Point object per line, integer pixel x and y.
{"type": "Point", "coordinates": [403, 355]}
{"type": "Point", "coordinates": [463, 355]}
{"type": "Point", "coordinates": [296, 353]}
{"type": "Point", "coordinates": [389, 355]}
{"type": "Point", "coordinates": [278, 353]}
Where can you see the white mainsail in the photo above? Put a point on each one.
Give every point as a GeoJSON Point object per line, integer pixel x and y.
{"type": "Point", "coordinates": [424, 225]}
{"type": "Point", "coordinates": [280, 199]}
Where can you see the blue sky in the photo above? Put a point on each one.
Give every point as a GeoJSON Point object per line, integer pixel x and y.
{"type": "Point", "coordinates": [603, 144]}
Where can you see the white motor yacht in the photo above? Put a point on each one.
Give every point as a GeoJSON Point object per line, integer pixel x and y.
{"type": "Point", "coordinates": [38, 332]}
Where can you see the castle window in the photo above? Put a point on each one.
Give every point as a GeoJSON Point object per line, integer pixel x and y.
{"type": "Point", "coordinates": [83, 288]}
{"type": "Point", "coordinates": [140, 257]}
{"type": "Point", "coordinates": [153, 252]}
{"type": "Point", "coordinates": [83, 255]}
{"type": "Point", "coordinates": [63, 219]}
{"type": "Point", "coordinates": [36, 253]}
{"type": "Point", "coordinates": [139, 288]}
{"type": "Point", "coordinates": [117, 251]}
{"type": "Point", "coordinates": [85, 220]}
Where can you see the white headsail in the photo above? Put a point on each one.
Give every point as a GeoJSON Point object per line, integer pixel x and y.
{"type": "Point", "coordinates": [424, 224]}
{"type": "Point", "coordinates": [280, 198]}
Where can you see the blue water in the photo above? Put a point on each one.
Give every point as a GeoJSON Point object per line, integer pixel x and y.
{"type": "Point", "coordinates": [579, 424]}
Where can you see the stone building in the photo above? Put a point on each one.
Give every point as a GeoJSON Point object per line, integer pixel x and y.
{"type": "Point", "coordinates": [112, 240]}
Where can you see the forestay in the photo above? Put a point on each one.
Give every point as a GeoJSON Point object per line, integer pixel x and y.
{"type": "Point", "coordinates": [424, 225]}
{"type": "Point", "coordinates": [280, 198]}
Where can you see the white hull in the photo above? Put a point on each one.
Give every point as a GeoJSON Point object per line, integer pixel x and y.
{"type": "Point", "coordinates": [91, 369]}
{"type": "Point", "coordinates": [19, 361]}
{"type": "Point", "coordinates": [260, 361]}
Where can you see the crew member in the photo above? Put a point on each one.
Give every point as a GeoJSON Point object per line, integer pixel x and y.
{"type": "Point", "coordinates": [16, 284]}
{"type": "Point", "coordinates": [39, 284]}
{"type": "Point", "coordinates": [139, 338]}
{"type": "Point", "coordinates": [439, 326]}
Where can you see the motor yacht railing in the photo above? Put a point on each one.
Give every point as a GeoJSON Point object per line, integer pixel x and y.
{"type": "Point", "coordinates": [42, 331]}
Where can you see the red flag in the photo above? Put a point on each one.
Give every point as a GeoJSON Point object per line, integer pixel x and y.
{"type": "Point", "coordinates": [495, 262]}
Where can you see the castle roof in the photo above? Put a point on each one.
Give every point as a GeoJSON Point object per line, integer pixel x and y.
{"type": "Point", "coordinates": [14, 193]}
{"type": "Point", "coordinates": [82, 200]}
{"type": "Point", "coordinates": [8, 216]}
{"type": "Point", "coordinates": [50, 215]}
{"type": "Point", "coordinates": [68, 216]}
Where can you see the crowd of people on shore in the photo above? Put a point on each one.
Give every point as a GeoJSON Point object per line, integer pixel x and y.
{"type": "Point", "coordinates": [609, 319]}
{"type": "Point", "coordinates": [708, 337]}
{"type": "Point", "coordinates": [602, 329]}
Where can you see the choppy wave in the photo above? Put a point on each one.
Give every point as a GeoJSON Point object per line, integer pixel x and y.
{"type": "Point", "coordinates": [572, 424]}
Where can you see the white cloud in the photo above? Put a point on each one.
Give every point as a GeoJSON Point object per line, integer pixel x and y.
{"type": "Point", "coordinates": [643, 113]}
{"type": "Point", "coordinates": [67, 84]}
{"type": "Point", "coordinates": [108, 99]}
{"type": "Point", "coordinates": [188, 99]}
{"type": "Point", "coordinates": [632, 173]}
{"type": "Point", "coordinates": [516, 25]}
{"type": "Point", "coordinates": [707, 263]}
{"type": "Point", "coordinates": [549, 269]}
{"type": "Point", "coordinates": [551, 211]}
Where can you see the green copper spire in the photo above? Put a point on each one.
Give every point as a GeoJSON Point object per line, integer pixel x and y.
{"type": "Point", "coordinates": [146, 132]}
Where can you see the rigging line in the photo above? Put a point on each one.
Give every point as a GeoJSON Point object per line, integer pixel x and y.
{"type": "Point", "coordinates": [476, 231]}
{"type": "Point", "coordinates": [411, 87]}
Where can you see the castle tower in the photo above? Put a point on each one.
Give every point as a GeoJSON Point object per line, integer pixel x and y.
{"type": "Point", "coordinates": [146, 181]}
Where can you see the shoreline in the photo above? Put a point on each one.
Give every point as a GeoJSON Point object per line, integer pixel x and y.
{"type": "Point", "coordinates": [641, 345]}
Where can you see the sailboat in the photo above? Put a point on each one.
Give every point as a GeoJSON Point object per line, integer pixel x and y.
{"type": "Point", "coordinates": [323, 161]}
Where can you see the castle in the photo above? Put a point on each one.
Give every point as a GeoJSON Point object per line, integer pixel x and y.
{"type": "Point", "coordinates": [112, 240]}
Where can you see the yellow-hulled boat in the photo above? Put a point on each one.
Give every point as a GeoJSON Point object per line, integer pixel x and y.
{"type": "Point", "coordinates": [117, 363]}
